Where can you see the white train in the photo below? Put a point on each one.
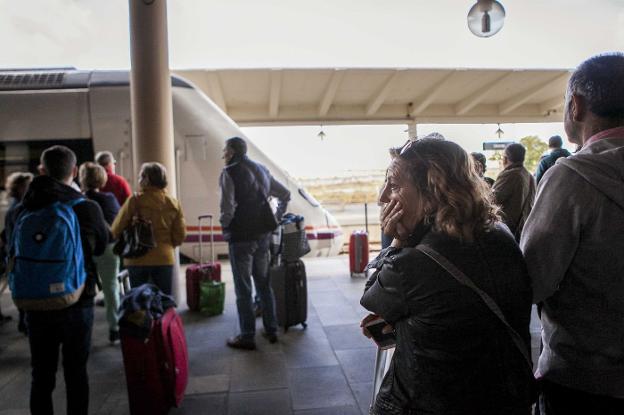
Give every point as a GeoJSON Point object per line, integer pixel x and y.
{"type": "Point", "coordinates": [89, 111]}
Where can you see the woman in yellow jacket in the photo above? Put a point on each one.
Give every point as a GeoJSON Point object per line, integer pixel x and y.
{"type": "Point", "coordinates": [152, 203]}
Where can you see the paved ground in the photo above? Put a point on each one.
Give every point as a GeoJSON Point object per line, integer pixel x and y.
{"type": "Point", "coordinates": [325, 369]}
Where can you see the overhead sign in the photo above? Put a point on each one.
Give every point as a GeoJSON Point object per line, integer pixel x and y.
{"type": "Point", "coordinates": [496, 145]}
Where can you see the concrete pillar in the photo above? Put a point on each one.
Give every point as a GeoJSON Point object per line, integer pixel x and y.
{"type": "Point", "coordinates": [150, 87]}
{"type": "Point", "coordinates": [412, 130]}
{"type": "Point", "coordinates": [150, 95]}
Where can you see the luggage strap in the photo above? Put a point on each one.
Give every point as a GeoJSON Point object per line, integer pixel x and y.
{"type": "Point", "coordinates": [463, 279]}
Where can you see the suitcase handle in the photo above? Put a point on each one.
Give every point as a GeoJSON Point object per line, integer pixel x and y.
{"type": "Point", "coordinates": [201, 239]}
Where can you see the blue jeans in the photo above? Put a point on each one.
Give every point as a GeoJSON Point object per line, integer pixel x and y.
{"type": "Point", "coordinates": [47, 331]}
{"type": "Point", "coordinates": [251, 259]}
{"type": "Point", "coordinates": [160, 275]}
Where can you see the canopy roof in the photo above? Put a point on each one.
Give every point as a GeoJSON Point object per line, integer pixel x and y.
{"type": "Point", "coordinates": [383, 96]}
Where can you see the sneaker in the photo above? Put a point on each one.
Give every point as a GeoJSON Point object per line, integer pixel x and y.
{"type": "Point", "coordinates": [271, 337]}
{"type": "Point", "coordinates": [238, 342]}
{"type": "Point", "coordinates": [113, 336]}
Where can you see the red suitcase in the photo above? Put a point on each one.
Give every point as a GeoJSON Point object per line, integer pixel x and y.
{"type": "Point", "coordinates": [203, 271]}
{"type": "Point", "coordinates": [156, 368]}
{"type": "Point", "coordinates": [358, 252]}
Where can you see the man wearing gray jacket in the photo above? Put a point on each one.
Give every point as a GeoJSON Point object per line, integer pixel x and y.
{"type": "Point", "coordinates": [573, 243]}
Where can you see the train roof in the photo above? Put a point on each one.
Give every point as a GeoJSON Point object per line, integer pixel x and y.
{"type": "Point", "coordinates": [68, 78]}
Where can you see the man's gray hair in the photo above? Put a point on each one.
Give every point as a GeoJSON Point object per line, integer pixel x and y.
{"type": "Point", "coordinates": [600, 81]}
{"type": "Point", "coordinates": [104, 158]}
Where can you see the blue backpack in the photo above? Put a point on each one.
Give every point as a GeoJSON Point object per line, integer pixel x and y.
{"type": "Point", "coordinates": [46, 262]}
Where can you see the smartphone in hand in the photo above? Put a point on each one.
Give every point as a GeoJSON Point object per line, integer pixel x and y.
{"type": "Point", "coordinates": [383, 340]}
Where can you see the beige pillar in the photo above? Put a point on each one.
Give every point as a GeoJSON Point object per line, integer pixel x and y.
{"type": "Point", "coordinates": [412, 130]}
{"type": "Point", "coordinates": [150, 95]}
{"type": "Point", "coordinates": [150, 87]}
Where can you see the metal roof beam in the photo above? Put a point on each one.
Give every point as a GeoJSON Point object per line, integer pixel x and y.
{"type": "Point", "coordinates": [216, 90]}
{"type": "Point", "coordinates": [330, 92]}
{"type": "Point", "coordinates": [276, 88]}
{"type": "Point", "coordinates": [381, 96]}
{"type": "Point", "coordinates": [431, 95]}
{"type": "Point", "coordinates": [470, 102]}
{"type": "Point", "coordinates": [514, 102]}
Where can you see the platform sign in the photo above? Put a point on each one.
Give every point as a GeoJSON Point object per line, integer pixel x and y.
{"type": "Point", "coordinates": [495, 145]}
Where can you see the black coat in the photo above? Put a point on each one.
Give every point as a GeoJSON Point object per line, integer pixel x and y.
{"type": "Point", "coordinates": [453, 355]}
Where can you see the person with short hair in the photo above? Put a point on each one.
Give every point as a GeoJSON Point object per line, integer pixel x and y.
{"type": "Point", "coordinates": [245, 186]}
{"type": "Point", "coordinates": [481, 165]}
{"type": "Point", "coordinates": [165, 213]}
{"type": "Point", "coordinates": [68, 329]}
{"type": "Point", "coordinates": [115, 183]}
{"type": "Point", "coordinates": [453, 355]}
{"type": "Point", "coordinates": [573, 243]}
{"type": "Point", "coordinates": [16, 185]}
{"type": "Point", "coordinates": [556, 152]}
{"type": "Point", "coordinates": [92, 178]}
{"type": "Point", "coordinates": [514, 189]}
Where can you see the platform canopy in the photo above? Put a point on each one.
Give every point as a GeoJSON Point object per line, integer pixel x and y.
{"type": "Point", "coordinates": [383, 96]}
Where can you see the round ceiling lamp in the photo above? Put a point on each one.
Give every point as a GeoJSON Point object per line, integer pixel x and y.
{"type": "Point", "coordinates": [486, 18]}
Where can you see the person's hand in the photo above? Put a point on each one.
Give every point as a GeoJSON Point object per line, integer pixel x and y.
{"type": "Point", "coordinates": [391, 224]}
{"type": "Point", "coordinates": [365, 321]}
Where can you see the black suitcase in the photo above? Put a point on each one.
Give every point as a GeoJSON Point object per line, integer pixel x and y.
{"type": "Point", "coordinates": [290, 287]}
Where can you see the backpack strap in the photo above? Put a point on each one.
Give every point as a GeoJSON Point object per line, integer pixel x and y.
{"type": "Point", "coordinates": [463, 279]}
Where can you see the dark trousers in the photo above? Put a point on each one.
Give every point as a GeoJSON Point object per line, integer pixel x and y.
{"type": "Point", "coordinates": [159, 275]}
{"type": "Point", "coordinates": [559, 400]}
{"type": "Point", "coordinates": [70, 330]}
{"type": "Point", "coordinates": [250, 259]}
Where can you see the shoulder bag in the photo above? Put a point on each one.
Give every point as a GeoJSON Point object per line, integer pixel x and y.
{"type": "Point", "coordinates": [138, 237]}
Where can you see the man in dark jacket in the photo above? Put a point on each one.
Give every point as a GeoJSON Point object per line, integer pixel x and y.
{"type": "Point", "coordinates": [70, 327]}
{"type": "Point", "coordinates": [556, 152]}
{"type": "Point", "coordinates": [573, 244]}
{"type": "Point", "coordinates": [245, 187]}
{"type": "Point", "coordinates": [514, 189]}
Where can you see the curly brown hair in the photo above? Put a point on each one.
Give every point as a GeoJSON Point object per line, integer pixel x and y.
{"type": "Point", "coordinates": [457, 201]}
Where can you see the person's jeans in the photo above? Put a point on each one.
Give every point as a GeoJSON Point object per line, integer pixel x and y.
{"type": "Point", "coordinates": [556, 399]}
{"type": "Point", "coordinates": [251, 259]}
{"type": "Point", "coordinates": [108, 268]}
{"type": "Point", "coordinates": [47, 332]}
{"type": "Point", "coordinates": [160, 275]}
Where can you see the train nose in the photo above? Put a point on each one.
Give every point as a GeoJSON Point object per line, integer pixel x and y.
{"type": "Point", "coordinates": [337, 237]}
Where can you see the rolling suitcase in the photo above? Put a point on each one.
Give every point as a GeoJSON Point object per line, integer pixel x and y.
{"type": "Point", "coordinates": [157, 367]}
{"type": "Point", "coordinates": [290, 287]}
{"type": "Point", "coordinates": [358, 252]}
{"type": "Point", "coordinates": [204, 271]}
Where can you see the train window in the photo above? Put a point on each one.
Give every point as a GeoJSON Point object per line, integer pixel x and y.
{"type": "Point", "coordinates": [308, 197]}
{"type": "Point", "coordinates": [24, 155]}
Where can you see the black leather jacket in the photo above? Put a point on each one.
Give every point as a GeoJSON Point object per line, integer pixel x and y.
{"type": "Point", "coordinates": [453, 355]}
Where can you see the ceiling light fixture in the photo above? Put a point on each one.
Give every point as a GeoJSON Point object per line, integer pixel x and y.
{"type": "Point", "coordinates": [486, 18]}
{"type": "Point", "coordinates": [321, 134]}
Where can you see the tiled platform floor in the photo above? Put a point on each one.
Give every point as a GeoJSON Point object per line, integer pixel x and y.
{"type": "Point", "coordinates": [325, 369]}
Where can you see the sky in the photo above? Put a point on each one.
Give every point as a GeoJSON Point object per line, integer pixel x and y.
{"type": "Point", "coordinates": [93, 34]}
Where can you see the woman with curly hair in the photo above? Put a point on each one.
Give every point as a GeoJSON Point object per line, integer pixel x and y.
{"type": "Point", "coordinates": [454, 354]}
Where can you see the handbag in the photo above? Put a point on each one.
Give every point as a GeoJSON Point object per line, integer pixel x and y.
{"type": "Point", "coordinates": [137, 239]}
{"type": "Point", "coordinates": [267, 222]}
{"type": "Point", "coordinates": [211, 297]}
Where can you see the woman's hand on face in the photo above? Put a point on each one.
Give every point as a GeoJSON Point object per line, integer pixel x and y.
{"type": "Point", "coordinates": [391, 221]}
{"type": "Point", "coordinates": [365, 321]}
{"type": "Point", "coordinates": [390, 216]}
